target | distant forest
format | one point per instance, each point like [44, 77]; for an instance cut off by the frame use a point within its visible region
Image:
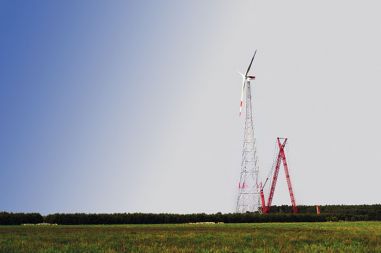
[277, 214]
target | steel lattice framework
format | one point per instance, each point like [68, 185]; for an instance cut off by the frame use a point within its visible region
[281, 158]
[248, 189]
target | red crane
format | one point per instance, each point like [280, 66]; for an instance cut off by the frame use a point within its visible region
[280, 158]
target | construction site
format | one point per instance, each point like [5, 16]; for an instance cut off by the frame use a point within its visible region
[251, 191]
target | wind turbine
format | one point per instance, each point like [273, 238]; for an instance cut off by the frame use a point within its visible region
[248, 189]
[245, 78]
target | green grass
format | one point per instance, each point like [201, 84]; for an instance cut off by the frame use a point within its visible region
[268, 237]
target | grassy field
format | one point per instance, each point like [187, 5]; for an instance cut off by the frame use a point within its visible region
[269, 237]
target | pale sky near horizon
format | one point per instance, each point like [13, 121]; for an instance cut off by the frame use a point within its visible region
[132, 106]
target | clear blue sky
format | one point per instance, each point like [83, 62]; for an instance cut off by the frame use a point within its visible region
[128, 106]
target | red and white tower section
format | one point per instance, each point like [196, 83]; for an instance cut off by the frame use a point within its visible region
[248, 199]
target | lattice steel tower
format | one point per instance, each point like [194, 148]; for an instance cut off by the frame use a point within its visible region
[248, 188]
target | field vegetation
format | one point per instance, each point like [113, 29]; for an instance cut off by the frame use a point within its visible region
[254, 237]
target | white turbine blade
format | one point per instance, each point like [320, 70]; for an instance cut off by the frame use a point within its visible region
[252, 59]
[242, 91]
[243, 76]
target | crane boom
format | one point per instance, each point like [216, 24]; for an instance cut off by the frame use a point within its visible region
[292, 197]
[274, 181]
[280, 158]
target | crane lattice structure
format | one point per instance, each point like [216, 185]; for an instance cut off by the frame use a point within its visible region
[281, 158]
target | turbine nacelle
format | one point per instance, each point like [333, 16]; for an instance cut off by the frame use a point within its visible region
[247, 78]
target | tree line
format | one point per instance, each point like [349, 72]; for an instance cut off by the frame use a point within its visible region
[277, 214]
[20, 218]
